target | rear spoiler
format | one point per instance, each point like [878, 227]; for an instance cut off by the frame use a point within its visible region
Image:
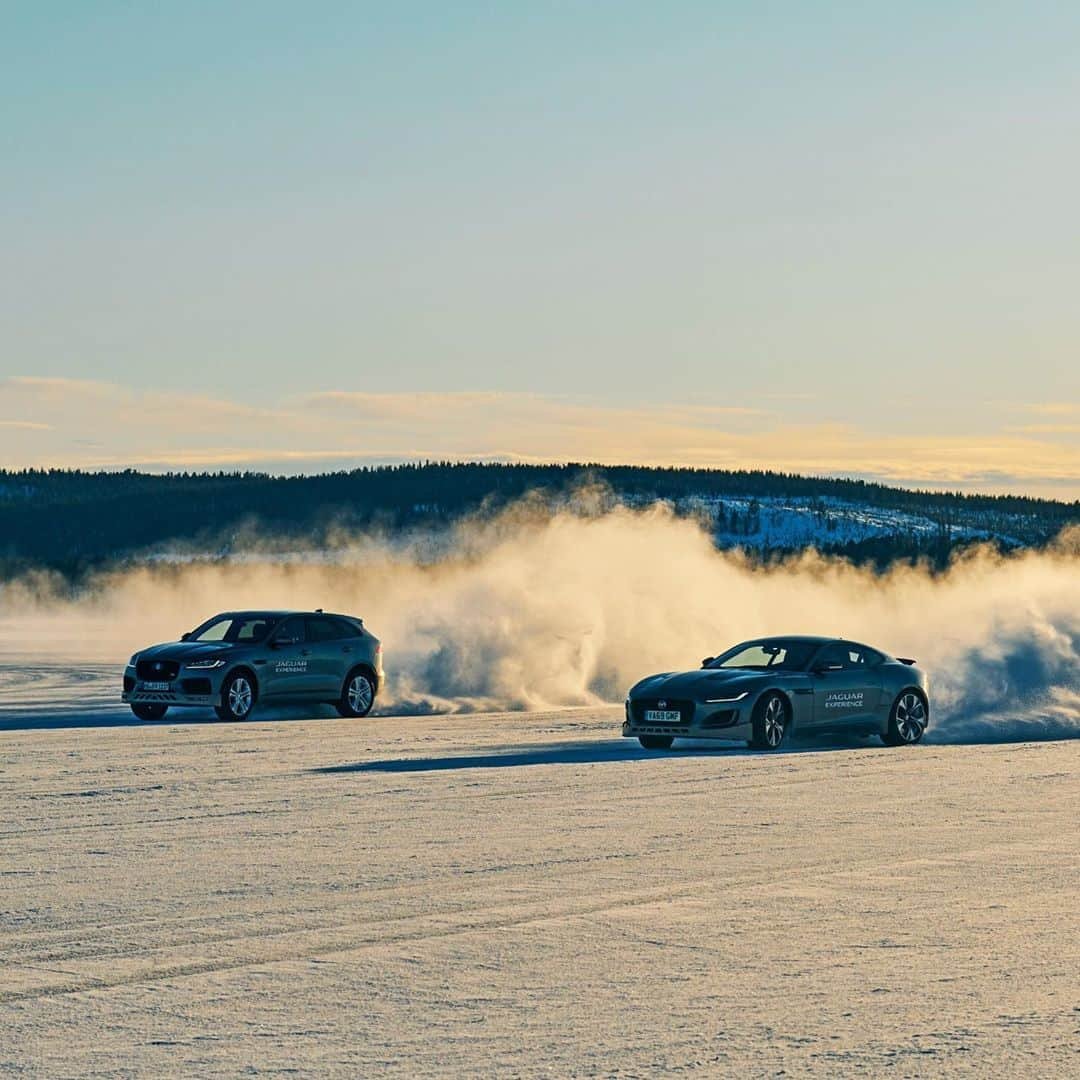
[906, 660]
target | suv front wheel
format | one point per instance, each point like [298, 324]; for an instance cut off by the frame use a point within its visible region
[237, 697]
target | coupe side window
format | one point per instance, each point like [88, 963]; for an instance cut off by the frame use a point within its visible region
[842, 657]
[834, 658]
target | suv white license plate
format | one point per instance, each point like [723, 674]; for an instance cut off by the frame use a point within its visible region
[155, 686]
[662, 716]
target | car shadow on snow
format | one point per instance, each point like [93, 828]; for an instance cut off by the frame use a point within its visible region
[593, 752]
[47, 718]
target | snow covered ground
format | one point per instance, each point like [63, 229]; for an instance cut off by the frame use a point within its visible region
[524, 895]
[795, 522]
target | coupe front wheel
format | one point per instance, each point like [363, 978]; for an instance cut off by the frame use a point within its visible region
[770, 723]
[907, 720]
[656, 742]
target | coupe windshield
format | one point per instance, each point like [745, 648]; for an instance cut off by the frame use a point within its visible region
[772, 655]
[234, 629]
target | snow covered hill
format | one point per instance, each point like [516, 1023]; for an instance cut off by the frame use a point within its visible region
[787, 523]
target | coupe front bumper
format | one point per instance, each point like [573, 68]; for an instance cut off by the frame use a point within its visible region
[722, 721]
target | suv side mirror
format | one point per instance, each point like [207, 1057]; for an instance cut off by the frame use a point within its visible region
[185, 637]
[707, 661]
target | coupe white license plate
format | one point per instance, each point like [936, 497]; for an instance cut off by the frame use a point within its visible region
[155, 686]
[662, 716]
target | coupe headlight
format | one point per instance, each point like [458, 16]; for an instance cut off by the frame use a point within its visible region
[134, 660]
[726, 700]
[204, 665]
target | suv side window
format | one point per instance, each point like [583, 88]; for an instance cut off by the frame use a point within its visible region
[291, 630]
[324, 628]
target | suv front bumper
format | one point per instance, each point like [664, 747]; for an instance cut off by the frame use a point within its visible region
[199, 689]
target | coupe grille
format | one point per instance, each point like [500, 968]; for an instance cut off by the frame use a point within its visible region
[685, 708]
[157, 670]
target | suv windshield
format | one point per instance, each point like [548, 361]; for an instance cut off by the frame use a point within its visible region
[774, 654]
[234, 629]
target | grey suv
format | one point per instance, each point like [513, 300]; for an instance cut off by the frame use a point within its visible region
[239, 658]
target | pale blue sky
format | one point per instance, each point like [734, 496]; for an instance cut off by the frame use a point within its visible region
[853, 221]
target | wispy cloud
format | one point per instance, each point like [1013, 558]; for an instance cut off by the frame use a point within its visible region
[25, 425]
[1054, 408]
[93, 424]
[1047, 429]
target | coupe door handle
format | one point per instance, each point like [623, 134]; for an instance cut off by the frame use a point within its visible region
[305, 652]
[347, 648]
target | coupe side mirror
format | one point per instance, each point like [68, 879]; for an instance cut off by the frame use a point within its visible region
[707, 661]
[185, 637]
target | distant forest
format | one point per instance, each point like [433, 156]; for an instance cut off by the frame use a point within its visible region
[73, 521]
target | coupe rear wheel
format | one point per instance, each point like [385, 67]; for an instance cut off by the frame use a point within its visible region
[907, 720]
[770, 722]
[237, 698]
[149, 710]
[357, 695]
[656, 742]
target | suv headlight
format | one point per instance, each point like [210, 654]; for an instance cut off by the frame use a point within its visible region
[134, 660]
[204, 665]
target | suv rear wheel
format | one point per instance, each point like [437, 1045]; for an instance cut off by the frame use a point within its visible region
[357, 695]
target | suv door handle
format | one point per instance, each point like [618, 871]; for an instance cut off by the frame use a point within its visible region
[305, 652]
[347, 648]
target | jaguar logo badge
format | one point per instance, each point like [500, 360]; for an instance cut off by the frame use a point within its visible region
[661, 704]
[157, 666]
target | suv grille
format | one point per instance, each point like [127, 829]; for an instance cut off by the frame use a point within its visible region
[157, 670]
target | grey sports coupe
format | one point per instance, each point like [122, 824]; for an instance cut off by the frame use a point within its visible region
[762, 691]
[239, 658]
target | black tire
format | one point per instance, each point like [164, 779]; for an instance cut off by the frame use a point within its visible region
[357, 694]
[656, 742]
[907, 719]
[772, 721]
[238, 697]
[149, 710]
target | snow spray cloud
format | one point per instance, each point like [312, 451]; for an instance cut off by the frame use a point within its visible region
[535, 607]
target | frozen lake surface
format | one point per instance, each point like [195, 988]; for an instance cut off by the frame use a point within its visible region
[526, 895]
